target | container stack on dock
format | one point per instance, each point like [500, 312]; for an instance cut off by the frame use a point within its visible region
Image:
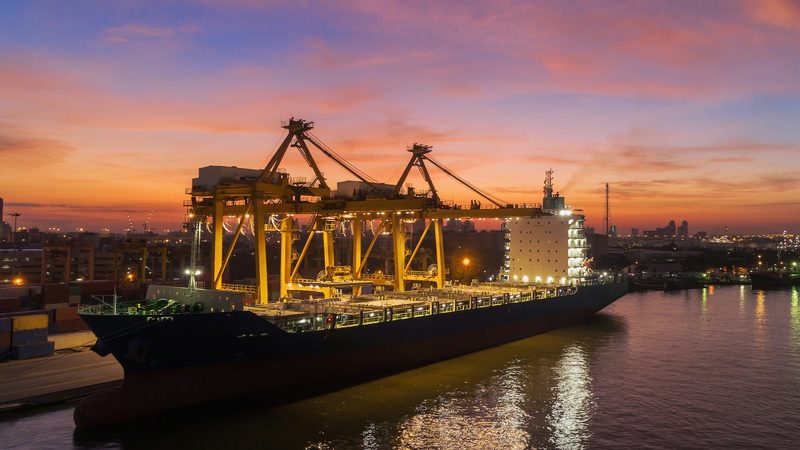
[5, 338]
[55, 296]
[67, 320]
[29, 337]
[10, 304]
[16, 298]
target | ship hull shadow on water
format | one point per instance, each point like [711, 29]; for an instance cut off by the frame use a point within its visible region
[193, 359]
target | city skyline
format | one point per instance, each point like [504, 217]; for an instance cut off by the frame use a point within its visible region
[688, 111]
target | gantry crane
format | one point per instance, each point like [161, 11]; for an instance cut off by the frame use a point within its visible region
[273, 199]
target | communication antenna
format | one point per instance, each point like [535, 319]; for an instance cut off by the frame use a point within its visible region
[548, 183]
[608, 213]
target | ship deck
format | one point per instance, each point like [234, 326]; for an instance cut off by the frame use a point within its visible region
[317, 314]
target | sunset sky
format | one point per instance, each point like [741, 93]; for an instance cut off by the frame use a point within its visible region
[689, 109]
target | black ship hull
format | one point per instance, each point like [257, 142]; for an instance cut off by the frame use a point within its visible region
[184, 359]
[774, 279]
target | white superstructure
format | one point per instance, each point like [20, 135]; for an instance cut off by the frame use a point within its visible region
[550, 248]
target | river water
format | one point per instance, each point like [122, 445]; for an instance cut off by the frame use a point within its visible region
[706, 368]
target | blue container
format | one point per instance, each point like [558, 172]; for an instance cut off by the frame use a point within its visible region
[28, 351]
[5, 325]
[25, 337]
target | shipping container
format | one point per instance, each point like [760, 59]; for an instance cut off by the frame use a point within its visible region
[30, 322]
[19, 291]
[10, 304]
[24, 337]
[5, 341]
[28, 351]
[71, 326]
[5, 325]
[57, 306]
[66, 314]
[55, 293]
[5, 336]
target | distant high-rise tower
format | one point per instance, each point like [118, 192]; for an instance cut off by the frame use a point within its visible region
[1, 211]
[683, 230]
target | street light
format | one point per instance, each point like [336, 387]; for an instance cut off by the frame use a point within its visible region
[14, 243]
[465, 263]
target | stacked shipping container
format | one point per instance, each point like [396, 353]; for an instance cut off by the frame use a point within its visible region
[29, 336]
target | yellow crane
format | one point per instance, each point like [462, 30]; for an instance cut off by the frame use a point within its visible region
[273, 200]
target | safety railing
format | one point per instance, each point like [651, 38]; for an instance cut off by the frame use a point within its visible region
[343, 315]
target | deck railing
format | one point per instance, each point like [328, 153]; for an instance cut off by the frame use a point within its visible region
[331, 315]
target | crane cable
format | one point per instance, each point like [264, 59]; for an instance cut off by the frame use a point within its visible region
[496, 200]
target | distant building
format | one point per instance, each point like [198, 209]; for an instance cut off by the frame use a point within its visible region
[598, 245]
[210, 176]
[634, 232]
[669, 231]
[683, 230]
[458, 225]
[357, 189]
[452, 225]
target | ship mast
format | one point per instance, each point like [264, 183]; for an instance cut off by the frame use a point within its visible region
[548, 183]
[195, 255]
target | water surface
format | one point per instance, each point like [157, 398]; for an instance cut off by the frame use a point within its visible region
[717, 367]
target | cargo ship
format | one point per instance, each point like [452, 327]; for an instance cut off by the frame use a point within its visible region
[182, 347]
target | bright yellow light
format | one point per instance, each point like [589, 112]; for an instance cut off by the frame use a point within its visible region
[130, 277]
[18, 281]
[465, 261]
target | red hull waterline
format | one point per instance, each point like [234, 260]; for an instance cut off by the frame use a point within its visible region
[145, 394]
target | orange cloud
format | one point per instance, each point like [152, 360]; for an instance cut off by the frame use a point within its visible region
[779, 13]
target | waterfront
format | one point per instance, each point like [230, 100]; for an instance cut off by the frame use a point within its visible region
[715, 367]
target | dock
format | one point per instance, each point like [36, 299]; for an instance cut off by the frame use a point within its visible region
[66, 375]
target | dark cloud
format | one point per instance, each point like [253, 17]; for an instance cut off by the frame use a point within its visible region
[25, 150]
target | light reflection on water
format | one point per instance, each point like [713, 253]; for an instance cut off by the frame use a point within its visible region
[493, 417]
[573, 403]
[704, 302]
[742, 296]
[795, 316]
[656, 370]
